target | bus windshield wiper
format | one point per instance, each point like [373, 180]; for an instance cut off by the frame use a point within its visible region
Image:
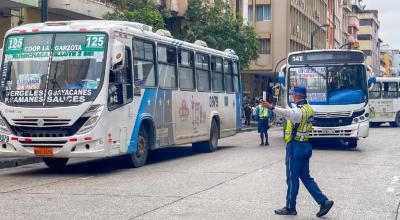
[53, 80]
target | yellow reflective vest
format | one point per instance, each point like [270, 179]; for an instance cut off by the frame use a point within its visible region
[303, 128]
[262, 112]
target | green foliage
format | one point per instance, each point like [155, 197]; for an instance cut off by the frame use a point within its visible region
[142, 11]
[217, 26]
[214, 24]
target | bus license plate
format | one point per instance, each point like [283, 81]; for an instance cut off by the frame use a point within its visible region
[43, 151]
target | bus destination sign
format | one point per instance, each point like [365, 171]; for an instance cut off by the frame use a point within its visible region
[331, 57]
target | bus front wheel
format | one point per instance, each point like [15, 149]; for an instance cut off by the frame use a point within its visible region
[55, 163]
[397, 122]
[210, 145]
[138, 158]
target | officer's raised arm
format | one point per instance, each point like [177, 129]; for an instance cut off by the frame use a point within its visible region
[293, 114]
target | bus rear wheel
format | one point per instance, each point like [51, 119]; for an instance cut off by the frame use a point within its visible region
[55, 163]
[352, 143]
[397, 122]
[139, 157]
[212, 144]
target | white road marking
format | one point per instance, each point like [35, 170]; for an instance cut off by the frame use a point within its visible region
[395, 179]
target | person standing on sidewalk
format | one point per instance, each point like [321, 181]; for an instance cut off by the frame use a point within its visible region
[247, 114]
[262, 116]
[298, 153]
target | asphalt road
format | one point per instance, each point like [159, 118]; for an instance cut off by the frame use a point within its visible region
[239, 181]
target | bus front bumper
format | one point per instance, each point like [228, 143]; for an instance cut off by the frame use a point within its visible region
[359, 130]
[76, 147]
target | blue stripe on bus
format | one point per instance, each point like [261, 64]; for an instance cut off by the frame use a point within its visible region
[143, 113]
[238, 111]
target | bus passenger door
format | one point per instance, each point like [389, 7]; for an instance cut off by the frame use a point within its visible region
[120, 96]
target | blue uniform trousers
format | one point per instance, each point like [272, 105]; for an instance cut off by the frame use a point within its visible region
[298, 156]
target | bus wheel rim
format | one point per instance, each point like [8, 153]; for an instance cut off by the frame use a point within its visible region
[141, 147]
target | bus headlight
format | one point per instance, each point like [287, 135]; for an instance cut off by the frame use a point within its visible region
[361, 118]
[4, 127]
[94, 113]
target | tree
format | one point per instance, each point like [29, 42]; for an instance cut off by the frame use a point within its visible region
[218, 26]
[142, 11]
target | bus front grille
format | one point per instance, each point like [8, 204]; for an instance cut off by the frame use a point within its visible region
[332, 114]
[45, 122]
[332, 122]
[59, 131]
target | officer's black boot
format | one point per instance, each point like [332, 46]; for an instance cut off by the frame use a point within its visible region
[285, 211]
[266, 139]
[325, 208]
[262, 139]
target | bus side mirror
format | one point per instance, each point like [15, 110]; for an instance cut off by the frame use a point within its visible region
[117, 56]
[281, 78]
[371, 82]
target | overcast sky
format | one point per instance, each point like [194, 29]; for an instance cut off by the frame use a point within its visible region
[389, 16]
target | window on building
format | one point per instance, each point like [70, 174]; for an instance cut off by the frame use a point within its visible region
[250, 13]
[364, 37]
[366, 22]
[186, 70]
[202, 72]
[217, 74]
[167, 66]
[144, 64]
[263, 12]
[265, 46]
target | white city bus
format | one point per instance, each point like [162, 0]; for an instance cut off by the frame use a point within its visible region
[385, 102]
[336, 81]
[104, 88]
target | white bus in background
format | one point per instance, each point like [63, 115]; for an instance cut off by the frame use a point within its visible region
[93, 89]
[336, 82]
[385, 102]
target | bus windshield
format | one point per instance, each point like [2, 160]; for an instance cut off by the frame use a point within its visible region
[52, 69]
[333, 85]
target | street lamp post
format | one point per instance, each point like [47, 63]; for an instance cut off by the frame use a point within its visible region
[314, 33]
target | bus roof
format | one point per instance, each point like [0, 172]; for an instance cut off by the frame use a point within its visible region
[387, 79]
[125, 27]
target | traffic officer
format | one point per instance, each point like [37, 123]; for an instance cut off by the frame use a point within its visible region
[298, 154]
[262, 116]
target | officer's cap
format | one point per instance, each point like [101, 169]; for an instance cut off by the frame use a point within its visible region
[300, 90]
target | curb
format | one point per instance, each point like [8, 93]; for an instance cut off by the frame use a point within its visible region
[14, 162]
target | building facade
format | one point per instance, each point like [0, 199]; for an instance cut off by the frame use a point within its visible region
[396, 63]
[16, 12]
[368, 37]
[282, 26]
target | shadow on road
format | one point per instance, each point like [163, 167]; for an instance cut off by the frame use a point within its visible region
[112, 164]
[332, 145]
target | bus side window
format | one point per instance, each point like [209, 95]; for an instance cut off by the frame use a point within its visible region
[186, 70]
[167, 66]
[375, 92]
[202, 72]
[236, 78]
[217, 74]
[144, 64]
[120, 91]
[390, 90]
[228, 70]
